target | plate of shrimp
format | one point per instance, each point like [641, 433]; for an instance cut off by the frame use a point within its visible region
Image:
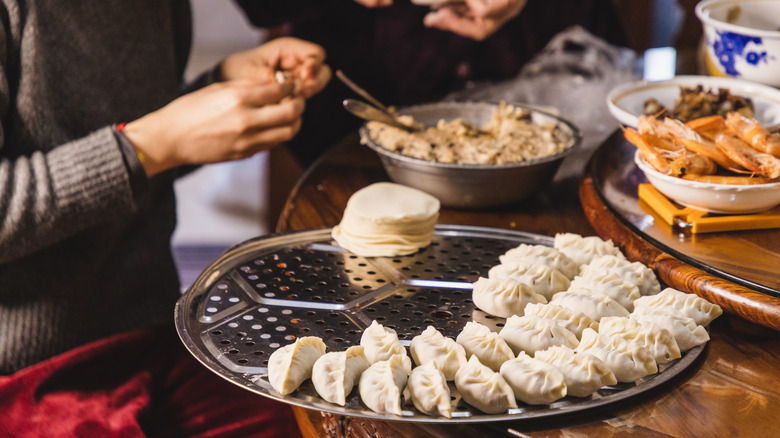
[721, 164]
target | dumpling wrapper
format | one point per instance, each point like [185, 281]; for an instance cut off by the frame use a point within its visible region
[690, 305]
[531, 333]
[610, 285]
[593, 304]
[291, 364]
[444, 353]
[583, 250]
[381, 343]
[484, 388]
[540, 255]
[386, 220]
[503, 297]
[335, 373]
[478, 340]
[382, 385]
[635, 273]
[628, 360]
[583, 373]
[656, 338]
[572, 320]
[534, 381]
[542, 279]
[429, 391]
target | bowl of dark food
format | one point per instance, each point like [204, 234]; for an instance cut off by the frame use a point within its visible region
[474, 155]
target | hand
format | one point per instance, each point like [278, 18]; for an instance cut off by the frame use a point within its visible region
[375, 3]
[303, 59]
[221, 122]
[476, 19]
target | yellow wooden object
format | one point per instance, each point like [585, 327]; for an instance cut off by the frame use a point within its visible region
[698, 221]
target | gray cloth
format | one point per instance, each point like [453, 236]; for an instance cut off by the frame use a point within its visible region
[82, 255]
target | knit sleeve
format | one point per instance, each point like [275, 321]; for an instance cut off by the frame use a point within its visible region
[48, 196]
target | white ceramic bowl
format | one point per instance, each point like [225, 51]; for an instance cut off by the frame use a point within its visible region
[714, 198]
[747, 46]
[626, 101]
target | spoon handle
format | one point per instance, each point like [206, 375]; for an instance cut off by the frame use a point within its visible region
[348, 82]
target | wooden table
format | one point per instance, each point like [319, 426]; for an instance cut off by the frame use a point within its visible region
[732, 391]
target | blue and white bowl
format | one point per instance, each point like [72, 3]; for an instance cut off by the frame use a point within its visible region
[742, 39]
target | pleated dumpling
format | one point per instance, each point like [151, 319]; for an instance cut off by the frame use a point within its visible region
[593, 304]
[531, 333]
[583, 373]
[380, 343]
[610, 285]
[657, 339]
[572, 320]
[290, 365]
[335, 373]
[503, 297]
[542, 279]
[534, 381]
[686, 332]
[484, 388]
[583, 250]
[633, 272]
[431, 346]
[382, 384]
[429, 391]
[540, 255]
[478, 340]
[629, 361]
[690, 305]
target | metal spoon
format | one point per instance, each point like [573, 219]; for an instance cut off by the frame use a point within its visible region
[369, 112]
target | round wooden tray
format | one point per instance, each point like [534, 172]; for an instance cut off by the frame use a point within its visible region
[737, 270]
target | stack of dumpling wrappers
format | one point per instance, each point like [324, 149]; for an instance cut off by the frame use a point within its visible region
[579, 317]
[386, 220]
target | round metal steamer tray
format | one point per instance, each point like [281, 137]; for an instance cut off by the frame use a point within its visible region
[263, 293]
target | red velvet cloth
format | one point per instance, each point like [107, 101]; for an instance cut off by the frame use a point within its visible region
[138, 384]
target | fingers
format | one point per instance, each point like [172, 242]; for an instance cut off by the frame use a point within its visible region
[470, 27]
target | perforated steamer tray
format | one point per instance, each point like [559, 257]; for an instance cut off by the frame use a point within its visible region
[265, 292]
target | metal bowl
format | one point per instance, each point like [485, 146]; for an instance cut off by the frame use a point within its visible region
[473, 186]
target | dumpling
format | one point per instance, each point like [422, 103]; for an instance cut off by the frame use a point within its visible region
[534, 381]
[335, 374]
[478, 340]
[657, 339]
[380, 343]
[540, 255]
[628, 360]
[633, 272]
[382, 384]
[610, 285]
[531, 333]
[690, 305]
[686, 332]
[572, 320]
[429, 391]
[431, 346]
[290, 365]
[583, 373]
[542, 279]
[582, 250]
[593, 304]
[484, 388]
[503, 297]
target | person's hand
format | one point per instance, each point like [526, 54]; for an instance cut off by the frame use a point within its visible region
[221, 122]
[476, 19]
[374, 3]
[304, 60]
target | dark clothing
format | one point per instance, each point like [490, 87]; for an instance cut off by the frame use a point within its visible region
[393, 56]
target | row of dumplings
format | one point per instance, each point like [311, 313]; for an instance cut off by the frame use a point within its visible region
[557, 340]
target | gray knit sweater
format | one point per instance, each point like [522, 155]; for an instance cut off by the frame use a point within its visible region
[83, 253]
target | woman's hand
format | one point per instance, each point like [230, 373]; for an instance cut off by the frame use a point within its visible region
[304, 60]
[221, 122]
[476, 19]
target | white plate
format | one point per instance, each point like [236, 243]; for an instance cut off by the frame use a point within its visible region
[626, 101]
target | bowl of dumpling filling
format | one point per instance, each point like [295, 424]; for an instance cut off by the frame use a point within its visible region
[473, 155]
